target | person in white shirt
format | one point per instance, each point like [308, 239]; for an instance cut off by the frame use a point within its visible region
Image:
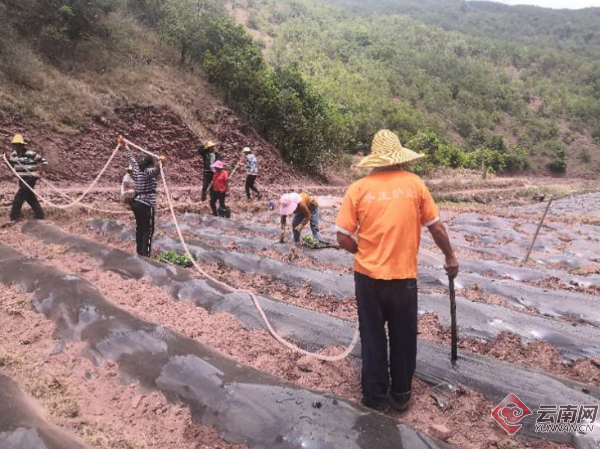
[251, 173]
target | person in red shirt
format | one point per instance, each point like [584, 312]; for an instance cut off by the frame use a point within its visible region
[220, 187]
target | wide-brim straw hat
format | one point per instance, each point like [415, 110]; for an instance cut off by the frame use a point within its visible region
[387, 151]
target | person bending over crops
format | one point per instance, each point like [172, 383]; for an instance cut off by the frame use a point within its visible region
[144, 174]
[305, 209]
[380, 222]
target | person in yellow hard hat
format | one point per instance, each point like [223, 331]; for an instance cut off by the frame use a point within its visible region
[209, 154]
[27, 164]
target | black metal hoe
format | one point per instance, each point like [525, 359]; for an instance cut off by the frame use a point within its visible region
[453, 327]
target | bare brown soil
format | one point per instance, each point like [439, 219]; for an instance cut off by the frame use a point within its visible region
[475, 294]
[78, 158]
[557, 284]
[86, 399]
[509, 347]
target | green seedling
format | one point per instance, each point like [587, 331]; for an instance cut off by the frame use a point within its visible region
[310, 241]
[173, 258]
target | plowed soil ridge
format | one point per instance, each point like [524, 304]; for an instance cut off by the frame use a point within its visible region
[78, 158]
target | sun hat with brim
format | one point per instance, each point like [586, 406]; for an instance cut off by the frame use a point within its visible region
[218, 164]
[18, 140]
[246, 150]
[288, 203]
[209, 144]
[387, 151]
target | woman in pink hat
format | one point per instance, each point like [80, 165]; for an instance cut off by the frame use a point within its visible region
[219, 189]
[305, 209]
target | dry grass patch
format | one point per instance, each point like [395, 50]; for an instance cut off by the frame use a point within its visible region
[8, 359]
[103, 438]
[55, 397]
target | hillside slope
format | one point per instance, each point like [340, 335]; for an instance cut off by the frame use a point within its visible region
[80, 157]
[460, 69]
[567, 31]
[130, 85]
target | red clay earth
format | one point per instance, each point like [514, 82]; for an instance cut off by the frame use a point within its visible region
[557, 284]
[509, 347]
[86, 399]
[78, 158]
[464, 413]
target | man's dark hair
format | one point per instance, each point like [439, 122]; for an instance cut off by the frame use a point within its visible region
[146, 162]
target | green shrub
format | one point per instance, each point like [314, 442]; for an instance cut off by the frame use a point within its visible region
[255, 22]
[518, 159]
[451, 156]
[494, 160]
[261, 43]
[428, 143]
[300, 121]
[558, 164]
[496, 142]
[440, 153]
[555, 146]
[57, 27]
[17, 62]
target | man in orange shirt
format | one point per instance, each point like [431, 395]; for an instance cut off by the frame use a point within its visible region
[386, 211]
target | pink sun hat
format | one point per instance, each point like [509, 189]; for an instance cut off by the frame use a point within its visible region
[288, 203]
[218, 164]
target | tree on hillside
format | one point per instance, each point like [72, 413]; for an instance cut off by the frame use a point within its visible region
[279, 103]
[181, 26]
[380, 69]
[302, 122]
[558, 164]
[58, 26]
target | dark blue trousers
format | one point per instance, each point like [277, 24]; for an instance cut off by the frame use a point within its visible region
[393, 302]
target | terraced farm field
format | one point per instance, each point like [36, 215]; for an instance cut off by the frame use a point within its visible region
[102, 348]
